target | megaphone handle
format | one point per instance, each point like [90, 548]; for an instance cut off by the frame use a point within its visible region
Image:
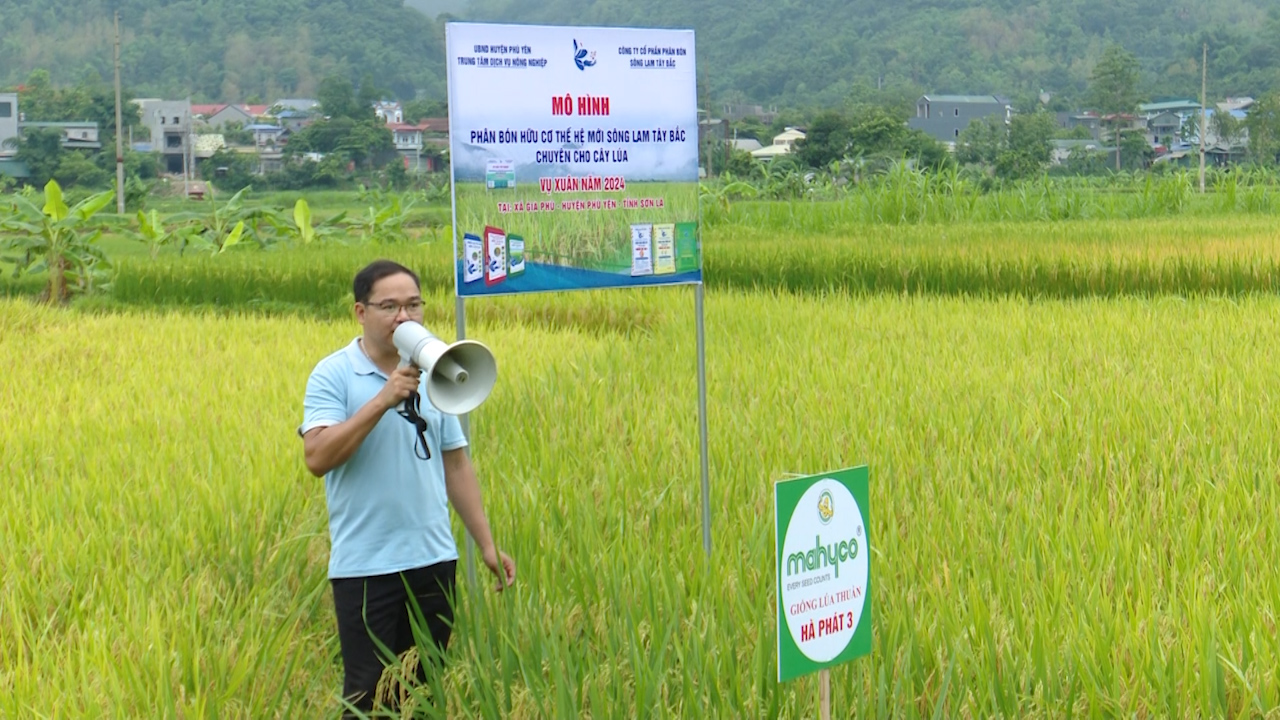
[402, 408]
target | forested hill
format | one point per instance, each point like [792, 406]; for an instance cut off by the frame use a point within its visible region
[798, 51]
[788, 52]
[231, 50]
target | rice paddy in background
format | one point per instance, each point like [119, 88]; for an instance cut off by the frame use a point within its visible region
[586, 237]
[1073, 499]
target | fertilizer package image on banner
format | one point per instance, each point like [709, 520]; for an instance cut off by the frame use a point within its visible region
[515, 255]
[641, 250]
[578, 148]
[664, 249]
[495, 251]
[687, 255]
[472, 258]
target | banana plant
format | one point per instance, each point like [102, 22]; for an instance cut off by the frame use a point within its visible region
[716, 199]
[435, 191]
[304, 229]
[57, 239]
[226, 225]
[203, 241]
[153, 233]
[384, 224]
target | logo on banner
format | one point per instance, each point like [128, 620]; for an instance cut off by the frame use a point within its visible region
[825, 510]
[582, 57]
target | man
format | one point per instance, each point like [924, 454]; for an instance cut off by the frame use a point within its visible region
[390, 475]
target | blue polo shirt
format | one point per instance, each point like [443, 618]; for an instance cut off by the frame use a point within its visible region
[388, 509]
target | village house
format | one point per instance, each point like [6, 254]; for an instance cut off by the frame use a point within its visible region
[75, 135]
[944, 117]
[783, 143]
[221, 115]
[169, 123]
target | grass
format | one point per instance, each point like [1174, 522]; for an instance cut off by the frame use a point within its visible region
[1071, 510]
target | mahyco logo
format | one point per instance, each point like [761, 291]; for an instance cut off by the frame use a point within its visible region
[819, 504]
[819, 556]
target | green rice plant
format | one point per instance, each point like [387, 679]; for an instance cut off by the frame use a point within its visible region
[904, 194]
[1031, 203]
[875, 239]
[1173, 193]
[1226, 187]
[1259, 199]
[1176, 256]
[312, 280]
[1070, 504]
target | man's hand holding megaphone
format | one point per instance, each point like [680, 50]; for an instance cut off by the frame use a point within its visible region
[401, 384]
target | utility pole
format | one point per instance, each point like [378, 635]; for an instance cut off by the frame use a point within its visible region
[186, 168]
[1204, 76]
[724, 145]
[1119, 126]
[119, 129]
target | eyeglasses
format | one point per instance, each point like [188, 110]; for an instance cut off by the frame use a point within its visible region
[391, 307]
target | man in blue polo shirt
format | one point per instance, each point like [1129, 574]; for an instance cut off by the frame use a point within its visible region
[388, 495]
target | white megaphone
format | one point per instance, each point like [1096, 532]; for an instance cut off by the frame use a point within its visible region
[459, 376]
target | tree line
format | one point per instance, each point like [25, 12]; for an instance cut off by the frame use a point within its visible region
[811, 54]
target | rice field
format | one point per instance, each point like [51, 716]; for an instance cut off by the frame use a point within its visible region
[1074, 494]
[597, 236]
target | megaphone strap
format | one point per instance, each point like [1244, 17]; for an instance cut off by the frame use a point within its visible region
[410, 412]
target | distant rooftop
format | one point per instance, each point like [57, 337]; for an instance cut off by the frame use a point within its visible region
[1168, 105]
[296, 103]
[85, 124]
[974, 99]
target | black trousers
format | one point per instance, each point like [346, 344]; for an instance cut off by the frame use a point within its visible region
[378, 607]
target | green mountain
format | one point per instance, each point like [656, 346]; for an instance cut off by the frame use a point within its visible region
[800, 52]
[235, 50]
[792, 53]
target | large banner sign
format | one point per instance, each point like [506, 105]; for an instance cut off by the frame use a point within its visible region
[574, 154]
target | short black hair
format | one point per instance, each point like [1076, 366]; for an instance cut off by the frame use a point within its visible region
[375, 271]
